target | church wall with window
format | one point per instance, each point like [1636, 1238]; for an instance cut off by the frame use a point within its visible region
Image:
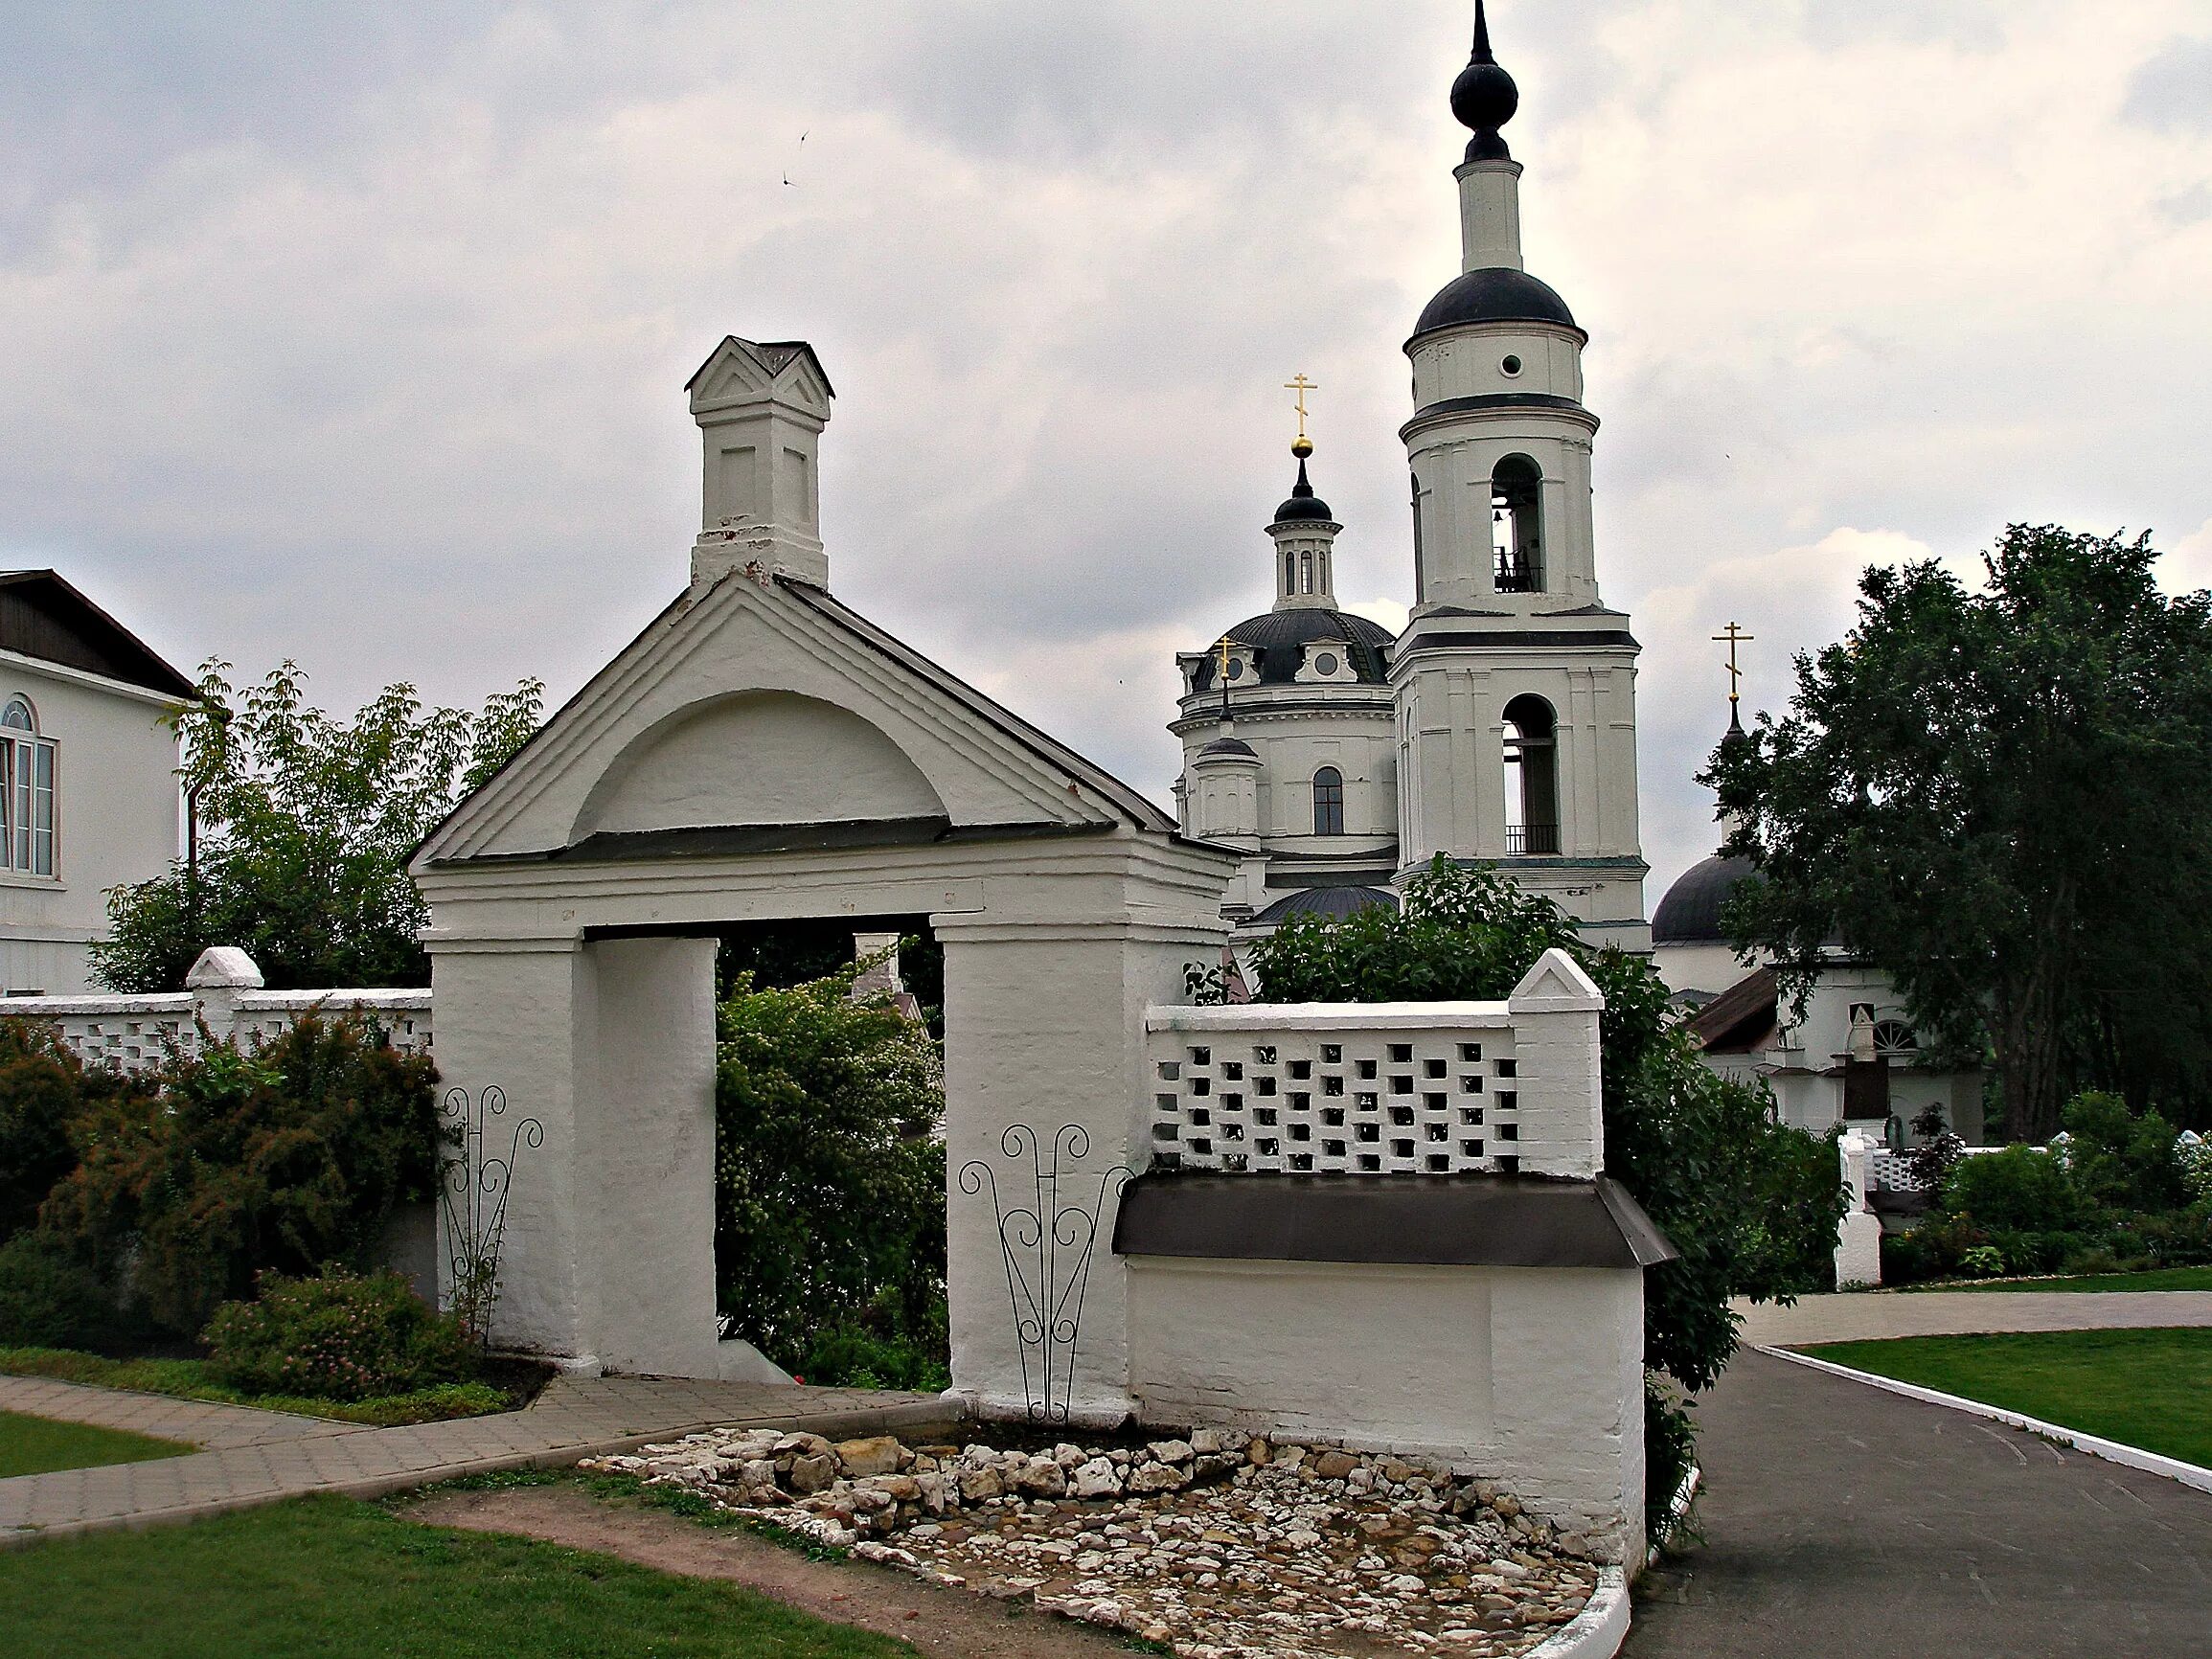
[88, 788]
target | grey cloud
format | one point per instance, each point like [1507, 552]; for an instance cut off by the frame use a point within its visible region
[2171, 91]
[362, 340]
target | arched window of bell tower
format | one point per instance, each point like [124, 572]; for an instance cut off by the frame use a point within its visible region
[1532, 796]
[1516, 524]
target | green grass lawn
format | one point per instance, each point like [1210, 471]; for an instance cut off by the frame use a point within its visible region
[2157, 1278]
[31, 1445]
[189, 1379]
[336, 1579]
[2151, 1388]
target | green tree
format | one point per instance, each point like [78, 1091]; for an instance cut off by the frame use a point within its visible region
[1752, 1205]
[306, 825]
[1998, 796]
[829, 1177]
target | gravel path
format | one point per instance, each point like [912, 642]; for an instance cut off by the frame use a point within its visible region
[1843, 1522]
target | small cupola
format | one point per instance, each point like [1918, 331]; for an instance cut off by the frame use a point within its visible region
[1304, 533]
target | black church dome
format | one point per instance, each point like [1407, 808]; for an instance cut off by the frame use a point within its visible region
[1494, 294]
[1690, 911]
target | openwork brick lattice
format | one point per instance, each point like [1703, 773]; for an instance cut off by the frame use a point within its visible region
[134, 1033]
[1301, 1089]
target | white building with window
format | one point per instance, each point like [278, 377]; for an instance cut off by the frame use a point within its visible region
[88, 788]
[1501, 725]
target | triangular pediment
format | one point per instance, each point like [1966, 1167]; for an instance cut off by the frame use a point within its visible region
[1556, 985]
[745, 371]
[761, 704]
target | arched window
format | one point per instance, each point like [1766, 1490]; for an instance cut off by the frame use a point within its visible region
[1327, 801]
[1289, 573]
[1516, 524]
[1532, 796]
[26, 792]
[1306, 569]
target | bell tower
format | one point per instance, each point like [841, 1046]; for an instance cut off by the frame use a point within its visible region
[1516, 684]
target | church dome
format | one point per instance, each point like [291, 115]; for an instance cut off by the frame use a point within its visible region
[1690, 911]
[1278, 638]
[1325, 901]
[1303, 505]
[1228, 748]
[1494, 294]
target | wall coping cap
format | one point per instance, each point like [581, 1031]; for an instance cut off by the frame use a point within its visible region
[1556, 985]
[224, 966]
[1297, 1016]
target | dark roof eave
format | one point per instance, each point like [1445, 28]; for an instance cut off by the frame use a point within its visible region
[1465, 1220]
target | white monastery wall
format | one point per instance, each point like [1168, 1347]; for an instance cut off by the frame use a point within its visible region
[1530, 1373]
[137, 1033]
[116, 818]
[1527, 1376]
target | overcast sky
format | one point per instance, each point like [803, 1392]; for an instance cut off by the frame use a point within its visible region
[358, 334]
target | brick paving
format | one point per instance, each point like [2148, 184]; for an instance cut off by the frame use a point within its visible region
[258, 1457]
[1864, 1316]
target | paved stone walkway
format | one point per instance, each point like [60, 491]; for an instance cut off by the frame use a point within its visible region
[1843, 1522]
[1857, 1316]
[257, 1457]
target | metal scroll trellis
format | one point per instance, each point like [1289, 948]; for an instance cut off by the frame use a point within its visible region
[472, 1194]
[1048, 1247]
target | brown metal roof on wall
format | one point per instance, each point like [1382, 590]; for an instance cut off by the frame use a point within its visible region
[42, 616]
[1731, 1021]
[1464, 1220]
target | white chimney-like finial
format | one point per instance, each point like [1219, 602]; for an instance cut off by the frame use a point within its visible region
[760, 407]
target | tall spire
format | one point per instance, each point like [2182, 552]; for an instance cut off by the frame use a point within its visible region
[1484, 97]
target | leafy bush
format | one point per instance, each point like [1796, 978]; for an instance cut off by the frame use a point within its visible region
[1669, 1451]
[854, 1356]
[2196, 1161]
[49, 1298]
[829, 1182]
[43, 1087]
[280, 1158]
[2121, 1161]
[339, 1336]
[2019, 1188]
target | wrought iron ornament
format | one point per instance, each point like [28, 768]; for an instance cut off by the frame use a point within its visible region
[472, 1194]
[1048, 1247]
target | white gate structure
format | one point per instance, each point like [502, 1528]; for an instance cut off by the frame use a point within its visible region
[1384, 1225]
[1135, 1230]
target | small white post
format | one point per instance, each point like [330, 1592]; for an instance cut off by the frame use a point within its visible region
[1858, 1236]
[221, 975]
[1555, 1034]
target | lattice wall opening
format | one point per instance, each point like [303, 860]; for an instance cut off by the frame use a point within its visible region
[1343, 1103]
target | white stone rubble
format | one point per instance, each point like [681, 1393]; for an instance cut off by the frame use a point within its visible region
[1222, 1546]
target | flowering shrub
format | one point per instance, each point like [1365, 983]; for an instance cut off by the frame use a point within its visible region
[340, 1336]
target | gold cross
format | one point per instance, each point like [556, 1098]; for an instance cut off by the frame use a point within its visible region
[1734, 637]
[1223, 676]
[1299, 384]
